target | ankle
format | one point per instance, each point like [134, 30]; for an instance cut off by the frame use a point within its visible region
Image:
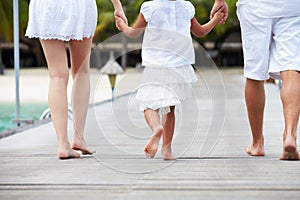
[64, 145]
[167, 147]
[258, 142]
[289, 135]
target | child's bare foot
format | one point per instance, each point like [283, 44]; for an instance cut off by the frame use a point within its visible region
[80, 145]
[167, 153]
[255, 151]
[67, 154]
[290, 151]
[152, 144]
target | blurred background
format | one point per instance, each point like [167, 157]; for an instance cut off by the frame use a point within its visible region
[223, 45]
[223, 42]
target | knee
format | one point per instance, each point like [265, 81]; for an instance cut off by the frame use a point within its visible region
[253, 82]
[290, 75]
[59, 74]
[79, 70]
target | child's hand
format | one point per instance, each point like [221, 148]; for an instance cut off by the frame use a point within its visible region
[219, 15]
[120, 24]
[217, 6]
[121, 14]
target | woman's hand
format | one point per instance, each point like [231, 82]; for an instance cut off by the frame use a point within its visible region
[120, 14]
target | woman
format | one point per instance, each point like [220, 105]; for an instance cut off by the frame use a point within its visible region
[56, 22]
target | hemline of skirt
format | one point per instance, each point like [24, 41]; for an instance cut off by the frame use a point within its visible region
[58, 37]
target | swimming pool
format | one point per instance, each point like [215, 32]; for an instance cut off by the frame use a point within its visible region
[27, 111]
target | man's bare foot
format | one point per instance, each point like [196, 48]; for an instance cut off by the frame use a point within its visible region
[67, 154]
[167, 153]
[290, 151]
[152, 144]
[80, 145]
[290, 155]
[255, 151]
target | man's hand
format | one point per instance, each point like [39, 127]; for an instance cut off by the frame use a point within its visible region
[220, 5]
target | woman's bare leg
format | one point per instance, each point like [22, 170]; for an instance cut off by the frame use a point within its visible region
[80, 66]
[153, 120]
[168, 121]
[55, 52]
[290, 96]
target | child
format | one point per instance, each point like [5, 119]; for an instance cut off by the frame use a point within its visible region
[167, 55]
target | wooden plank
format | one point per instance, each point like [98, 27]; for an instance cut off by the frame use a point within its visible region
[119, 169]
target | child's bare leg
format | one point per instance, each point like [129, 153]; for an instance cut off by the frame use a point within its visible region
[80, 57]
[169, 126]
[153, 120]
[290, 96]
[55, 52]
[255, 101]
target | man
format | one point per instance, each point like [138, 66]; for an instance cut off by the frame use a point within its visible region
[271, 44]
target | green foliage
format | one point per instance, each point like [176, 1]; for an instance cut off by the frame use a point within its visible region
[105, 20]
[6, 16]
[106, 24]
[203, 7]
[23, 15]
[232, 23]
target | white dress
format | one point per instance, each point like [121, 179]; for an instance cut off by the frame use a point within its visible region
[62, 19]
[167, 54]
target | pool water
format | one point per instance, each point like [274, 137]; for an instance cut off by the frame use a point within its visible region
[27, 111]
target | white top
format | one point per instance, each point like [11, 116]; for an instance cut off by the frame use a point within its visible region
[167, 40]
[274, 8]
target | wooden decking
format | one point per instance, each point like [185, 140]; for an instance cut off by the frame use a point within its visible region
[211, 134]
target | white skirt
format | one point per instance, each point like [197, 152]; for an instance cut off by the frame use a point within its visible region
[62, 19]
[163, 87]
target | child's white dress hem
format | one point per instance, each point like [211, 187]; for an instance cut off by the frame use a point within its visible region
[163, 87]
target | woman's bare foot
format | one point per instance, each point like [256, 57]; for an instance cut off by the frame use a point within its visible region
[255, 151]
[80, 145]
[290, 151]
[167, 153]
[67, 154]
[152, 144]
